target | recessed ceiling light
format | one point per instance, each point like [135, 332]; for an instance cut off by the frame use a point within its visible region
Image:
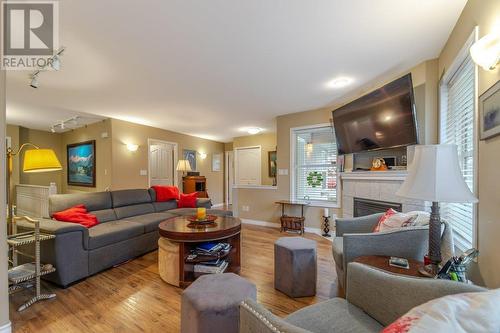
[339, 82]
[254, 130]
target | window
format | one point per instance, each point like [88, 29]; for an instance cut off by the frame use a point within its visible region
[458, 126]
[314, 168]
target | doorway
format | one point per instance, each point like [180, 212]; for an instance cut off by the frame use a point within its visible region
[247, 165]
[162, 161]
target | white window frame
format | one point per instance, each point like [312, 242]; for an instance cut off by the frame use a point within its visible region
[443, 103]
[325, 204]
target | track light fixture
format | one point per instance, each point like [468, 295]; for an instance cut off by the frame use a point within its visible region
[34, 80]
[53, 62]
[66, 124]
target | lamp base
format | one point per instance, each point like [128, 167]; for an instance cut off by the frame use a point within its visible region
[430, 270]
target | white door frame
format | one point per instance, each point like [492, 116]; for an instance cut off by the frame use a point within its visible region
[229, 170]
[236, 162]
[176, 158]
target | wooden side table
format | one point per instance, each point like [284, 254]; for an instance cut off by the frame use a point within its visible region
[294, 223]
[382, 262]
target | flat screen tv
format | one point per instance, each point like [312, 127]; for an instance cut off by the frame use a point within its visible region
[382, 119]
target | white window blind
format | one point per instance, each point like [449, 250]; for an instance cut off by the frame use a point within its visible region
[457, 127]
[315, 165]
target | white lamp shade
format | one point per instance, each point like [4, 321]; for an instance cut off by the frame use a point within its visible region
[183, 165]
[435, 175]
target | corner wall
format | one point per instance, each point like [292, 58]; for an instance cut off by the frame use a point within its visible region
[261, 202]
[127, 165]
[486, 15]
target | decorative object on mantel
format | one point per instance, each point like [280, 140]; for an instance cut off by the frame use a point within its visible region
[434, 175]
[293, 223]
[378, 164]
[326, 223]
[489, 112]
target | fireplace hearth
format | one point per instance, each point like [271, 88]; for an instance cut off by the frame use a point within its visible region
[363, 207]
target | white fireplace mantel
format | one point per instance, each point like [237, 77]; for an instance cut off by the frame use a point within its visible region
[375, 185]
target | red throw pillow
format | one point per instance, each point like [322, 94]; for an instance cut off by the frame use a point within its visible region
[165, 193]
[77, 214]
[187, 200]
[384, 217]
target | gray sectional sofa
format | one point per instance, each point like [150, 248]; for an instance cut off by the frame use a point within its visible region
[128, 228]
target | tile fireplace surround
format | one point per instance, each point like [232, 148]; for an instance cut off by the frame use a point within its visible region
[375, 185]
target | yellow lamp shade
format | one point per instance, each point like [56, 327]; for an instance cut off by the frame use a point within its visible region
[41, 160]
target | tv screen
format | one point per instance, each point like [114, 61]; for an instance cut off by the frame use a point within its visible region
[384, 118]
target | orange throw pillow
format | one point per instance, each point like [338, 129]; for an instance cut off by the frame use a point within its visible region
[166, 193]
[77, 214]
[187, 200]
[384, 217]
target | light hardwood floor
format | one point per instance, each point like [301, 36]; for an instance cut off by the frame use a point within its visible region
[133, 298]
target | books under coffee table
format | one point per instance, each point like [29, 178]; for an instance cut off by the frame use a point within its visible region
[186, 253]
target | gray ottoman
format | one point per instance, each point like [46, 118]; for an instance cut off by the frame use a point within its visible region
[295, 266]
[211, 303]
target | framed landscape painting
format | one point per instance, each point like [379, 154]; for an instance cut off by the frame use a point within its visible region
[81, 164]
[489, 112]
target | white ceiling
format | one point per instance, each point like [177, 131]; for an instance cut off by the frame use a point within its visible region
[210, 68]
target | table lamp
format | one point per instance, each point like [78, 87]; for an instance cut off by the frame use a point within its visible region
[184, 166]
[35, 160]
[434, 175]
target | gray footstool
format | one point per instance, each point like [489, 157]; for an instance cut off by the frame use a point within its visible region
[295, 266]
[210, 304]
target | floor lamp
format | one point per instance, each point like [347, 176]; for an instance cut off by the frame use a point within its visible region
[434, 175]
[35, 160]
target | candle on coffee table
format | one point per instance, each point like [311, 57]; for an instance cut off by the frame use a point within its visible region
[201, 213]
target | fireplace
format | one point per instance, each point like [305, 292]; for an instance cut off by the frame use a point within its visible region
[363, 207]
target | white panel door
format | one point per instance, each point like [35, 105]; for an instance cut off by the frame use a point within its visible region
[248, 166]
[161, 163]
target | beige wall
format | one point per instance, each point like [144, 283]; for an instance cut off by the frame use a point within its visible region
[485, 14]
[261, 202]
[267, 142]
[127, 165]
[42, 139]
[103, 154]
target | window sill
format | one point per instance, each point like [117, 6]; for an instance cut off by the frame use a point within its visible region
[319, 204]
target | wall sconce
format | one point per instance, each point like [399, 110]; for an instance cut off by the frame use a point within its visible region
[132, 147]
[203, 156]
[486, 51]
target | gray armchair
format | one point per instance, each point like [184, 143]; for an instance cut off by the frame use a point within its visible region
[354, 238]
[374, 299]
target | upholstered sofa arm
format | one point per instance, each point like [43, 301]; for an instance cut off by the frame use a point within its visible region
[204, 202]
[355, 225]
[53, 227]
[386, 296]
[254, 318]
[410, 243]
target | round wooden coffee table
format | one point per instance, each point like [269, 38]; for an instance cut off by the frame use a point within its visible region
[179, 237]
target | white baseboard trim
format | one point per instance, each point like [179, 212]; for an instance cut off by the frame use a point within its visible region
[7, 328]
[316, 231]
[261, 223]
